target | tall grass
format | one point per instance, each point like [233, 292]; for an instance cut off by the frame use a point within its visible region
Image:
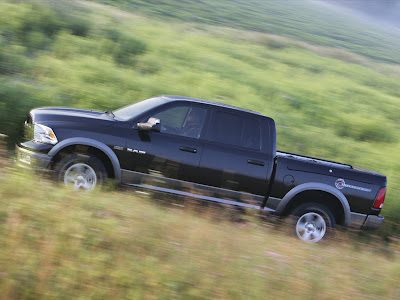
[58, 244]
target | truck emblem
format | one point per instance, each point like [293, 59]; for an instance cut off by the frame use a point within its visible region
[340, 184]
[136, 151]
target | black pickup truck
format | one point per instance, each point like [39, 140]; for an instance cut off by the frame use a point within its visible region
[205, 150]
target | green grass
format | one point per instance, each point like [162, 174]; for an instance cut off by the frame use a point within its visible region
[58, 244]
[315, 22]
[93, 56]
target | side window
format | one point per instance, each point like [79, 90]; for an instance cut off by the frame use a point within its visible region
[251, 134]
[228, 128]
[172, 118]
[182, 120]
[236, 130]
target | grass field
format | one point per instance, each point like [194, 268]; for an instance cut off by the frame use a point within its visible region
[327, 102]
[58, 244]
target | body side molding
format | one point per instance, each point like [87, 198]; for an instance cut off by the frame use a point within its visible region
[315, 186]
[93, 143]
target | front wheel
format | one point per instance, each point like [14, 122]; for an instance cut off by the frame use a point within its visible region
[312, 222]
[81, 172]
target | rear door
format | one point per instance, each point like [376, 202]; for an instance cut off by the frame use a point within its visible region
[232, 157]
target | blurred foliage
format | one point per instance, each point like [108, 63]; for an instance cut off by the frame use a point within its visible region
[59, 244]
[336, 105]
[127, 49]
[311, 21]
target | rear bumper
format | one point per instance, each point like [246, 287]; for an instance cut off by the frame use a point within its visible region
[373, 222]
[32, 160]
[362, 221]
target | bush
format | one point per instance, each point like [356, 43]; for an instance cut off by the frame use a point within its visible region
[365, 129]
[10, 63]
[276, 43]
[41, 19]
[43, 22]
[77, 24]
[13, 109]
[112, 34]
[17, 98]
[127, 49]
[6, 66]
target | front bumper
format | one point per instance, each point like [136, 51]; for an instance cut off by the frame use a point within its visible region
[32, 160]
[362, 221]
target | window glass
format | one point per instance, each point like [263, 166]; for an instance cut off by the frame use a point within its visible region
[172, 117]
[182, 120]
[236, 130]
[228, 128]
[251, 134]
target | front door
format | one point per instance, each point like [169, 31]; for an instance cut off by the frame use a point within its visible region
[168, 159]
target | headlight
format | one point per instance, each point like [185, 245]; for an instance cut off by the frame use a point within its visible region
[44, 134]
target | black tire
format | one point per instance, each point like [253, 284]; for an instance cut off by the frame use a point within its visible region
[80, 171]
[312, 222]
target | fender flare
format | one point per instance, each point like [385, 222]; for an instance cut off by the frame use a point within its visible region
[93, 143]
[315, 186]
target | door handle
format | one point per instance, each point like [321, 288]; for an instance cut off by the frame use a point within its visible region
[188, 149]
[255, 162]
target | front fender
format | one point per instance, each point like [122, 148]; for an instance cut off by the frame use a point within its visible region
[93, 143]
[315, 186]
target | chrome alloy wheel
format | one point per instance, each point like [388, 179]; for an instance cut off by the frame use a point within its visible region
[311, 227]
[80, 176]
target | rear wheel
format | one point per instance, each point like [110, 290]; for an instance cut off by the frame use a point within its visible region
[81, 172]
[312, 222]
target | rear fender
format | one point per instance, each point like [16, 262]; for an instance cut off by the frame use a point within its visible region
[318, 187]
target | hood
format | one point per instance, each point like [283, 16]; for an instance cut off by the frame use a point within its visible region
[64, 114]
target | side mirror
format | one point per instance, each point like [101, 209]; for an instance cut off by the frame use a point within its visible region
[152, 124]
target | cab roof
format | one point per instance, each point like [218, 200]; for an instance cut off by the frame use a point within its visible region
[171, 98]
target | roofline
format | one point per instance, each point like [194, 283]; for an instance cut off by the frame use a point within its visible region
[219, 104]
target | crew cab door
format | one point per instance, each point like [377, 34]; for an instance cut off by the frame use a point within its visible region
[233, 158]
[171, 157]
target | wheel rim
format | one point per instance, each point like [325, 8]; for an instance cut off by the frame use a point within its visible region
[80, 176]
[311, 227]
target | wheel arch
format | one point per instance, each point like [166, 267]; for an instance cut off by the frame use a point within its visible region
[294, 194]
[91, 143]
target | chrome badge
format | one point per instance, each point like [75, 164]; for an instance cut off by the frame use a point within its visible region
[340, 184]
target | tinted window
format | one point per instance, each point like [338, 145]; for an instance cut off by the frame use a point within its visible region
[251, 134]
[236, 130]
[172, 117]
[182, 120]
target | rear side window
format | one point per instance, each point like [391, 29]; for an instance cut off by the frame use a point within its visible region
[237, 130]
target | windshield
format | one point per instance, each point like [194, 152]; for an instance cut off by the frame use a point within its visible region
[134, 110]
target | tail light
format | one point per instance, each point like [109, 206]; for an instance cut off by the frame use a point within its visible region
[380, 197]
